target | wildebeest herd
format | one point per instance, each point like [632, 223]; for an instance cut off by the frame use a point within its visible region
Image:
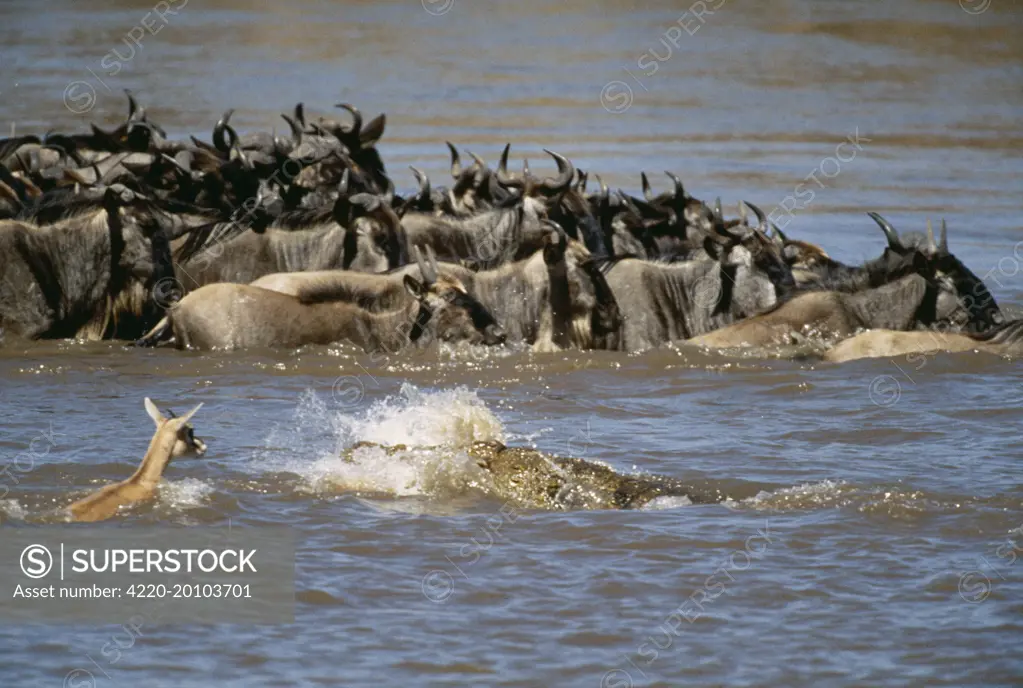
[282, 241]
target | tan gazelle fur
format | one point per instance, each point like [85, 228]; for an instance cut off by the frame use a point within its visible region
[174, 437]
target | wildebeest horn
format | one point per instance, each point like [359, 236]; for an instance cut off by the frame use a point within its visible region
[680, 192]
[582, 177]
[943, 238]
[502, 165]
[456, 162]
[566, 170]
[356, 118]
[761, 218]
[931, 246]
[429, 276]
[342, 188]
[296, 130]
[132, 105]
[779, 234]
[432, 257]
[648, 193]
[422, 180]
[218, 132]
[603, 186]
[478, 159]
[889, 231]
[743, 219]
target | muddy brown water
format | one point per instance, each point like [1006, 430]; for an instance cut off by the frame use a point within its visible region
[874, 542]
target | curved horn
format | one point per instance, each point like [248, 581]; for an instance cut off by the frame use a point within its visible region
[889, 231]
[943, 238]
[743, 218]
[422, 180]
[761, 218]
[603, 186]
[566, 173]
[429, 277]
[502, 164]
[300, 114]
[931, 246]
[133, 106]
[479, 161]
[648, 193]
[296, 130]
[218, 132]
[680, 192]
[342, 187]
[779, 234]
[456, 162]
[356, 118]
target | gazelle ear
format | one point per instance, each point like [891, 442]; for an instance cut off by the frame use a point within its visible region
[154, 412]
[185, 418]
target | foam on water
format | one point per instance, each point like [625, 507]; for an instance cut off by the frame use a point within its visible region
[185, 493]
[436, 426]
[12, 509]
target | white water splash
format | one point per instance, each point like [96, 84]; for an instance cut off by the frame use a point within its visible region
[435, 426]
[12, 509]
[185, 493]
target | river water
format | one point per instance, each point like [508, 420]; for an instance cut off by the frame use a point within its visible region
[873, 542]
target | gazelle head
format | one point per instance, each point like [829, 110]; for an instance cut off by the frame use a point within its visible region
[186, 443]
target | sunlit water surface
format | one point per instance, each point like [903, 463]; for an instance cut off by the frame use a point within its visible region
[876, 541]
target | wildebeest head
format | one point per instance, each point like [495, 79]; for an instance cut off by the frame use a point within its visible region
[361, 140]
[448, 310]
[374, 238]
[468, 195]
[754, 251]
[964, 299]
[800, 255]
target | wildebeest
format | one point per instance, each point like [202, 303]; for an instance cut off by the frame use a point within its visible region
[661, 302]
[926, 256]
[495, 236]
[359, 233]
[908, 303]
[556, 298]
[90, 276]
[1004, 340]
[239, 316]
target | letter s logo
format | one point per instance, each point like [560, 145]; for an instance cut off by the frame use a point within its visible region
[36, 561]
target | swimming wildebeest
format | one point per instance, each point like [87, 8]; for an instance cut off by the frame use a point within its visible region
[495, 236]
[238, 316]
[662, 302]
[173, 437]
[930, 258]
[1004, 340]
[909, 303]
[359, 233]
[554, 299]
[90, 276]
